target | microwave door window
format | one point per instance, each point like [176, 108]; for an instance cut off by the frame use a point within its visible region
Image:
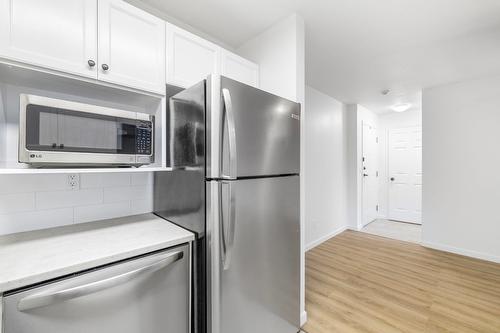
[48, 129]
[85, 133]
[73, 131]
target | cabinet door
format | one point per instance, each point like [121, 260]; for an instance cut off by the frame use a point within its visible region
[55, 34]
[190, 58]
[131, 47]
[240, 69]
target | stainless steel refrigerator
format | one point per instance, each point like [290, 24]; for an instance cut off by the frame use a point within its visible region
[234, 152]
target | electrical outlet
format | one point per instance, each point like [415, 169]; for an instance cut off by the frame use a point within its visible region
[74, 181]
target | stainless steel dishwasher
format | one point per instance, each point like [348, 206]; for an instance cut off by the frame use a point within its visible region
[148, 294]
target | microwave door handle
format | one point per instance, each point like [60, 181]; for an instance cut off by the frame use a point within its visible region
[67, 291]
[231, 130]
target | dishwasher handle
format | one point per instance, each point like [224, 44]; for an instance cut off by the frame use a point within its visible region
[67, 291]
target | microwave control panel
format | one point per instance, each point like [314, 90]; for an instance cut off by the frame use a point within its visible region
[143, 145]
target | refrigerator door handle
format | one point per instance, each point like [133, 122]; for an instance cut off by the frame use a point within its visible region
[228, 235]
[231, 130]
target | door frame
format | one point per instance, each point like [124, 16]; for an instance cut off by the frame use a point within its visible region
[363, 223]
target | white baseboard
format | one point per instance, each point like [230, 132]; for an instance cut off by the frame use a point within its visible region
[303, 318]
[463, 252]
[324, 238]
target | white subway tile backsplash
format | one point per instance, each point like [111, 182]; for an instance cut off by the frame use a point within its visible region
[143, 178]
[90, 180]
[114, 194]
[29, 202]
[58, 199]
[141, 206]
[17, 202]
[32, 183]
[19, 222]
[100, 212]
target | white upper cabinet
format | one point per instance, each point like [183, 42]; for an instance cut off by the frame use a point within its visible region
[56, 34]
[131, 47]
[239, 69]
[114, 42]
[190, 58]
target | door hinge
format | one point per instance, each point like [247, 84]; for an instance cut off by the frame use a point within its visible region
[376, 139]
[376, 174]
[376, 208]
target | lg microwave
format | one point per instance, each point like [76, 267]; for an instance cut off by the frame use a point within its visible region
[54, 132]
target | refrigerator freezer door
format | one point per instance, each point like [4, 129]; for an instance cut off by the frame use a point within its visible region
[252, 132]
[255, 255]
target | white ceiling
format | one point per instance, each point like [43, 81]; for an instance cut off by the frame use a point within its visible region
[357, 48]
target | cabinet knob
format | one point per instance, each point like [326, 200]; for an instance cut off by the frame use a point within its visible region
[105, 67]
[392, 179]
[91, 63]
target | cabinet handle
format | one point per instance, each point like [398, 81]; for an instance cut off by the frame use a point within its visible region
[91, 63]
[105, 67]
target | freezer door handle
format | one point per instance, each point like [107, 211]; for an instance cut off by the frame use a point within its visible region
[231, 130]
[68, 290]
[228, 235]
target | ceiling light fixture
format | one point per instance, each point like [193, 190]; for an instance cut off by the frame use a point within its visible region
[401, 107]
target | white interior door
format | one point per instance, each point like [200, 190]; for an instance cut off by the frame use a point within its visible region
[370, 174]
[405, 174]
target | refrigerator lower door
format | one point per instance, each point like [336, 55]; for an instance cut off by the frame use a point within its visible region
[254, 237]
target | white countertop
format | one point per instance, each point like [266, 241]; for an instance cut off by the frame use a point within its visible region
[36, 256]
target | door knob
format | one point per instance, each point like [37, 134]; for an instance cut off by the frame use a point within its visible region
[91, 63]
[392, 179]
[365, 175]
[105, 67]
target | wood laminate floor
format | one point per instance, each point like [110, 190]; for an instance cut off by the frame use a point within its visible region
[361, 283]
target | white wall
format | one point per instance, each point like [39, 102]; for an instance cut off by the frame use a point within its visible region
[356, 116]
[461, 156]
[387, 122]
[30, 202]
[280, 53]
[325, 159]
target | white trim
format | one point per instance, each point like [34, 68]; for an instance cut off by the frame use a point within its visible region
[322, 239]
[361, 210]
[303, 318]
[357, 228]
[463, 252]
